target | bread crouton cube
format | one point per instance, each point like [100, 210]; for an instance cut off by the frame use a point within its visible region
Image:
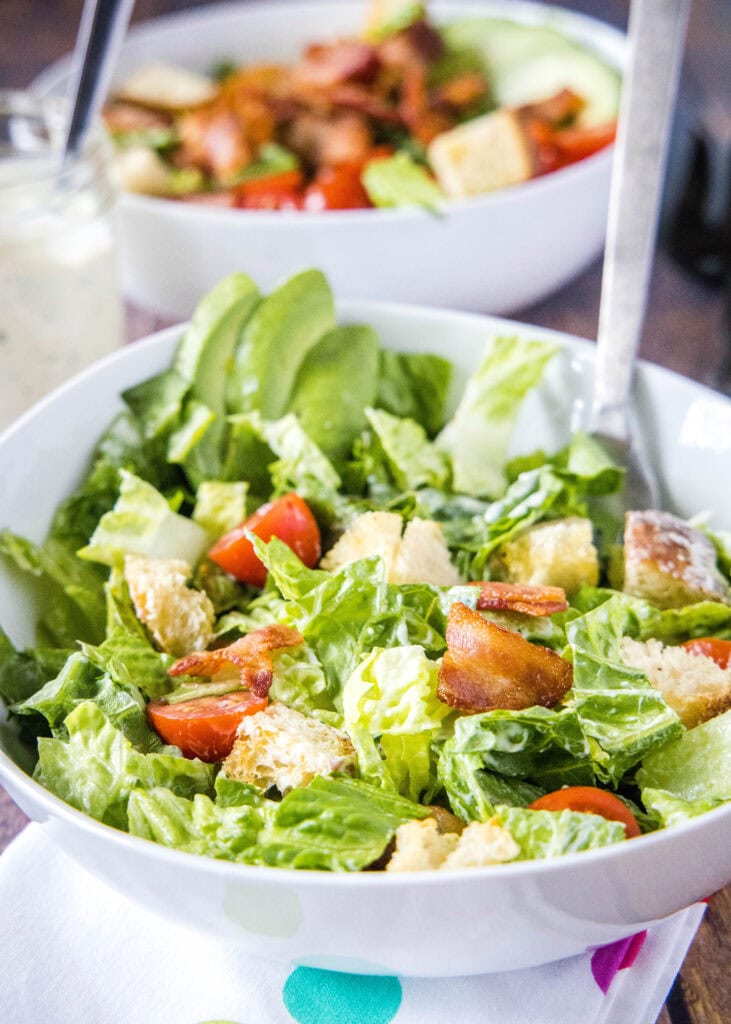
[282, 748]
[423, 556]
[487, 153]
[669, 563]
[420, 556]
[166, 86]
[420, 846]
[481, 844]
[372, 533]
[694, 686]
[559, 553]
[179, 618]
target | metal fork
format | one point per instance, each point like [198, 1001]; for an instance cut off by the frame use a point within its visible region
[656, 38]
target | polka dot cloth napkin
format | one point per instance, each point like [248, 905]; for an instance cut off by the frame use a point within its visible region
[73, 951]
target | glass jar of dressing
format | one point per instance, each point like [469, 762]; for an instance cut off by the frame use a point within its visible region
[60, 307]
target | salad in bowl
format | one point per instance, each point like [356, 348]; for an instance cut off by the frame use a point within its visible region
[297, 614]
[408, 112]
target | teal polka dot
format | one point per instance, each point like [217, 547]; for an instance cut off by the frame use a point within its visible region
[313, 996]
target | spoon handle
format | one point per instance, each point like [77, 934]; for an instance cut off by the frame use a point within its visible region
[102, 29]
[656, 37]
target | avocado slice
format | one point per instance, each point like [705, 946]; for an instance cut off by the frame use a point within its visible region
[336, 382]
[276, 341]
[205, 352]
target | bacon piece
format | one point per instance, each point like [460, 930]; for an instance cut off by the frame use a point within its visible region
[563, 106]
[215, 140]
[342, 138]
[521, 597]
[487, 667]
[348, 60]
[461, 91]
[250, 655]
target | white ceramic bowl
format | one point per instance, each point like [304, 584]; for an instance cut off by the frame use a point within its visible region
[463, 922]
[493, 254]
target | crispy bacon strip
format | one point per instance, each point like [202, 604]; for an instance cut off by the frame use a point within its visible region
[250, 655]
[487, 667]
[348, 60]
[521, 597]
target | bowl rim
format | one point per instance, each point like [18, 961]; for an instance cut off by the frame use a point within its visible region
[608, 37]
[615, 853]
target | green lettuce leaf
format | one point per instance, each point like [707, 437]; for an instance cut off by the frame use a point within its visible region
[226, 832]
[220, 506]
[478, 435]
[691, 773]
[621, 713]
[392, 696]
[299, 682]
[544, 834]
[413, 461]
[70, 591]
[143, 523]
[399, 180]
[157, 403]
[82, 680]
[512, 757]
[332, 825]
[97, 768]
[23, 673]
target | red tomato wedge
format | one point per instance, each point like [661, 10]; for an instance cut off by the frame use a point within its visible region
[204, 727]
[718, 650]
[288, 518]
[589, 800]
[337, 188]
[281, 191]
[521, 597]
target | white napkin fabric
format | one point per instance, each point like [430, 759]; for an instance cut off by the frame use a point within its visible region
[73, 951]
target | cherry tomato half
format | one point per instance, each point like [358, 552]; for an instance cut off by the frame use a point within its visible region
[718, 650]
[337, 188]
[281, 191]
[206, 726]
[589, 800]
[288, 518]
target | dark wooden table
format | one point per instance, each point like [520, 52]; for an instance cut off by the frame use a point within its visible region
[687, 329]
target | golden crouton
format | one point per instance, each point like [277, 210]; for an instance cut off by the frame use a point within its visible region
[694, 686]
[481, 155]
[420, 846]
[179, 618]
[420, 556]
[559, 553]
[281, 747]
[166, 86]
[669, 563]
[481, 844]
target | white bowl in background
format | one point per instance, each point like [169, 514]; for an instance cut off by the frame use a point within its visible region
[494, 253]
[461, 922]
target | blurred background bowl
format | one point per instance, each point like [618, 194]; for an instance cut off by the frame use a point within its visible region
[495, 253]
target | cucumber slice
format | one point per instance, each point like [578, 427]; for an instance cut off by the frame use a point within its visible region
[528, 63]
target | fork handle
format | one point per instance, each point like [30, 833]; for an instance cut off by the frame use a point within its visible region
[656, 37]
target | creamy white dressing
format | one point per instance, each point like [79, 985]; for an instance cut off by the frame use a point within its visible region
[60, 307]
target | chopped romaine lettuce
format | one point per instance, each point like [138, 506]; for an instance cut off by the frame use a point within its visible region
[97, 768]
[543, 834]
[399, 181]
[220, 506]
[478, 434]
[143, 523]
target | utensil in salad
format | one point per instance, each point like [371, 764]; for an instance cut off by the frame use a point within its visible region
[102, 29]
[656, 37]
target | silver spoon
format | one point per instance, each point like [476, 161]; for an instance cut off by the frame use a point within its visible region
[656, 37]
[102, 29]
